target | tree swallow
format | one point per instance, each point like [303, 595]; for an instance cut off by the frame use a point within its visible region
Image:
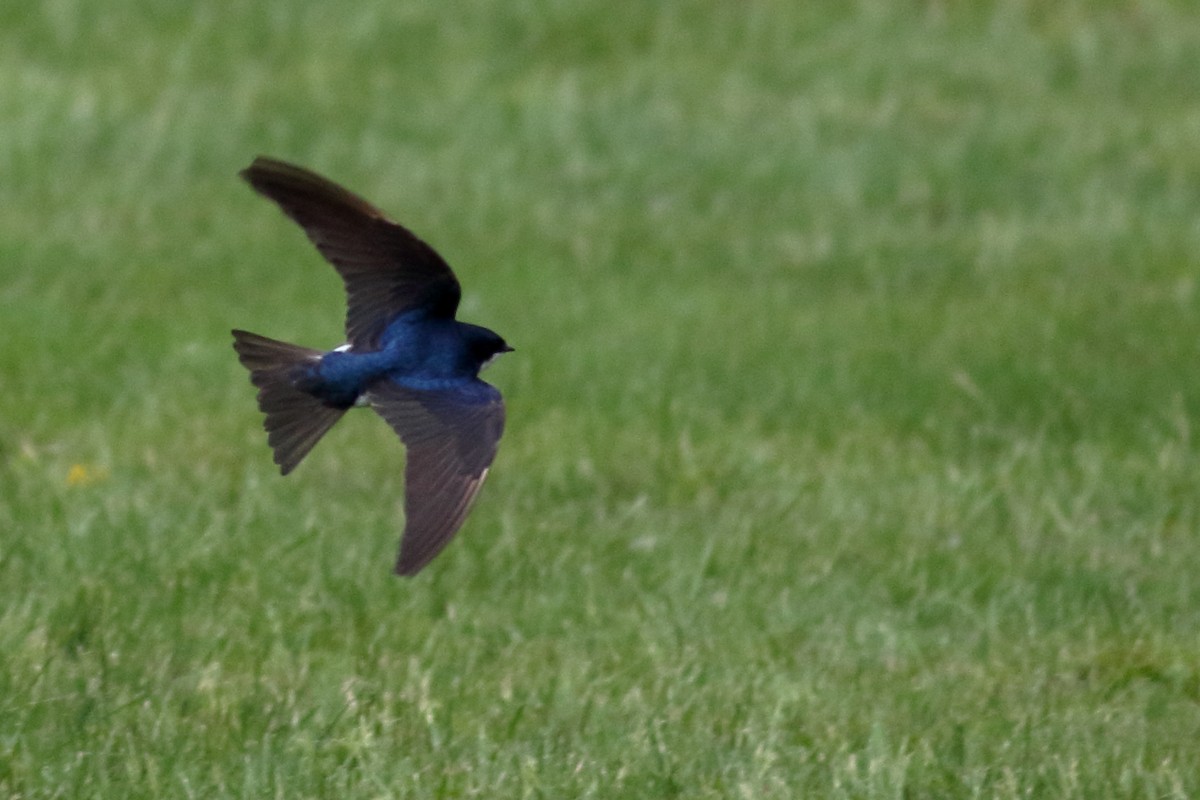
[406, 357]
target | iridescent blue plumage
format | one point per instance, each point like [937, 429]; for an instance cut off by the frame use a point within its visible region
[407, 357]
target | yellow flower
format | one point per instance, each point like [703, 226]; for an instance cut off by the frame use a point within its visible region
[83, 475]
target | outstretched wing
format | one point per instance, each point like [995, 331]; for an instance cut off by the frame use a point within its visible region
[451, 436]
[386, 268]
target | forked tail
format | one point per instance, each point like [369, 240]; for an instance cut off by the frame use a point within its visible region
[296, 420]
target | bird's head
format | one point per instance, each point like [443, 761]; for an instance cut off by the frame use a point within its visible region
[485, 346]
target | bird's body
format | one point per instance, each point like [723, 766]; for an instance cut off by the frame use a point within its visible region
[407, 357]
[414, 351]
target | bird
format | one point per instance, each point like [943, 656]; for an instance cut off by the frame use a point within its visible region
[406, 357]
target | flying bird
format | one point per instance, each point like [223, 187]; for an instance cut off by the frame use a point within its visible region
[406, 356]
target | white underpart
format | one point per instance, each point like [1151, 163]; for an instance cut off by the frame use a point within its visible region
[490, 359]
[342, 348]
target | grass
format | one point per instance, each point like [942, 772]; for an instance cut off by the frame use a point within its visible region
[850, 446]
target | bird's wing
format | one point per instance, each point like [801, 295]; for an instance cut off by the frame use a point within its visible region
[451, 436]
[387, 269]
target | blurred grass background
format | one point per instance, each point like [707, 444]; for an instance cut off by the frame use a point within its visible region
[850, 444]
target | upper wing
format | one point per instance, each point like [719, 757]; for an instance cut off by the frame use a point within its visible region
[451, 437]
[386, 268]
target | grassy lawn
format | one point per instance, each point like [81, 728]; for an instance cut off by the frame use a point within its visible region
[850, 448]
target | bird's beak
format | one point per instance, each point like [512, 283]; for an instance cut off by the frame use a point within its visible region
[508, 349]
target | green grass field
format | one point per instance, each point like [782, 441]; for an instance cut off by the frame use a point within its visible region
[850, 448]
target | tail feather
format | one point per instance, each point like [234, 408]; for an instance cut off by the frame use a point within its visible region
[295, 420]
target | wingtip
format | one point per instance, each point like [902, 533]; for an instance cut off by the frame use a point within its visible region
[260, 160]
[247, 173]
[264, 166]
[402, 570]
[257, 167]
[410, 561]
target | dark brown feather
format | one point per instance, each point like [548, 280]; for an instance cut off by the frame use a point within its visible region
[385, 267]
[295, 420]
[451, 438]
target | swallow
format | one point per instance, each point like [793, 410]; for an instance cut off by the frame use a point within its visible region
[406, 356]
